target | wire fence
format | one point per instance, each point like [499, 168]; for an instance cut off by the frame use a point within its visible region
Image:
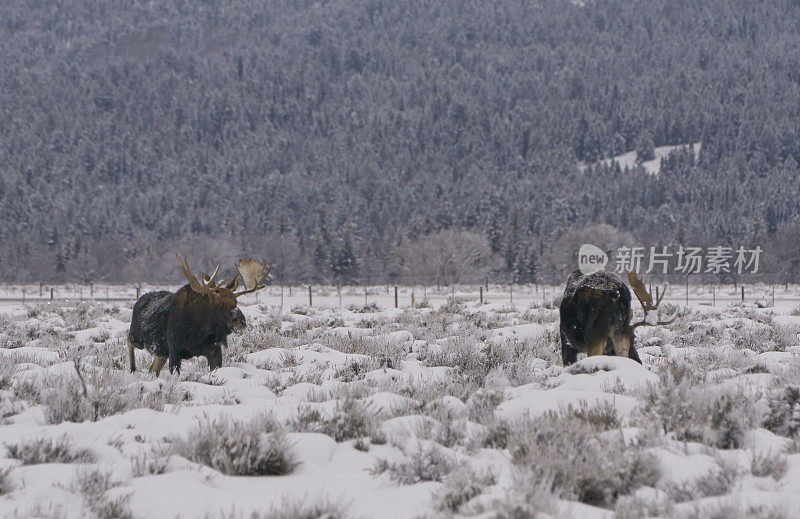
[401, 296]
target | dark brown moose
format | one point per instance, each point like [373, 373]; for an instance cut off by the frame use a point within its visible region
[196, 320]
[596, 313]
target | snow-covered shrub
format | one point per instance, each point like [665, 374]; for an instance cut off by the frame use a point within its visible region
[482, 403]
[255, 337]
[305, 508]
[93, 394]
[716, 482]
[422, 461]
[487, 321]
[460, 487]
[47, 450]
[350, 420]
[256, 448]
[783, 416]
[302, 310]
[79, 316]
[760, 338]
[469, 356]
[454, 305]
[700, 413]
[496, 435]
[385, 353]
[771, 464]
[151, 463]
[583, 466]
[538, 315]
[369, 308]
[530, 497]
[6, 485]
[637, 507]
[93, 485]
[603, 416]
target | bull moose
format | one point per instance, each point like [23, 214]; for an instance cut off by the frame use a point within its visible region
[196, 320]
[596, 312]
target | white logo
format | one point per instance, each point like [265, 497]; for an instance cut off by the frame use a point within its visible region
[591, 259]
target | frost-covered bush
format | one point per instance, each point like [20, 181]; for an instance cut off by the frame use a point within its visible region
[47, 450]
[718, 481]
[460, 487]
[529, 497]
[637, 507]
[93, 394]
[93, 485]
[302, 310]
[369, 308]
[305, 508]
[150, 463]
[422, 461]
[257, 448]
[255, 337]
[82, 315]
[783, 416]
[469, 356]
[350, 420]
[6, 485]
[699, 413]
[771, 464]
[386, 353]
[582, 465]
[482, 403]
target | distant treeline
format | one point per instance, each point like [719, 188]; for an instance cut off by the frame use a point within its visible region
[349, 131]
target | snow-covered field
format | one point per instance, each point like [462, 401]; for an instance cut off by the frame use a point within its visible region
[458, 409]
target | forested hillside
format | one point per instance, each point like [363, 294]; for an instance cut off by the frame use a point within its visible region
[346, 136]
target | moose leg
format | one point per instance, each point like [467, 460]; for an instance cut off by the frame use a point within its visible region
[622, 344]
[632, 354]
[131, 355]
[569, 355]
[596, 347]
[214, 358]
[174, 361]
[158, 365]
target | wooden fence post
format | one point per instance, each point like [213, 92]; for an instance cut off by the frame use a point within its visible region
[309, 296]
[395, 296]
[481, 290]
[51, 293]
[742, 293]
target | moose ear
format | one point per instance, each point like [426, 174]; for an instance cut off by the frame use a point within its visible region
[234, 284]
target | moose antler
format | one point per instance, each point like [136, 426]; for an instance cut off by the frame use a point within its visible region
[253, 275]
[646, 299]
[205, 287]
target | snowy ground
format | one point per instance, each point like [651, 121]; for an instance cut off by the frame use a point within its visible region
[457, 410]
[628, 160]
